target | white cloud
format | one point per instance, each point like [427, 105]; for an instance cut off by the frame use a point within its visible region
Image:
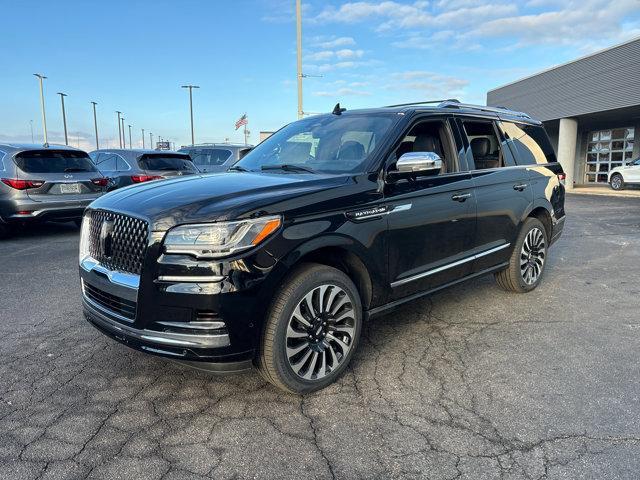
[348, 53]
[335, 42]
[465, 24]
[432, 85]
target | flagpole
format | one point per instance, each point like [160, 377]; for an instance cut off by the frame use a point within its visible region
[245, 131]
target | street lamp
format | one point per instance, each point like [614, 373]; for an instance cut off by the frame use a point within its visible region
[191, 87]
[64, 118]
[299, 55]
[44, 115]
[119, 133]
[143, 138]
[150, 140]
[31, 125]
[95, 123]
[124, 139]
[130, 144]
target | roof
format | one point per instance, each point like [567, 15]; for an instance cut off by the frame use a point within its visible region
[604, 81]
[443, 106]
[575, 60]
[36, 146]
[138, 151]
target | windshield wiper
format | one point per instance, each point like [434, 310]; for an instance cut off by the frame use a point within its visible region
[288, 167]
[237, 168]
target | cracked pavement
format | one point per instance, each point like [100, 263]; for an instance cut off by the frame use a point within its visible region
[471, 383]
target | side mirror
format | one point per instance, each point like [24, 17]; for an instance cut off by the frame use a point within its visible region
[418, 163]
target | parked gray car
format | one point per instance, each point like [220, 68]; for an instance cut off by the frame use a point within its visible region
[39, 183]
[127, 167]
[216, 157]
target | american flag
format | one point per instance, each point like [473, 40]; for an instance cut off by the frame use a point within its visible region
[242, 121]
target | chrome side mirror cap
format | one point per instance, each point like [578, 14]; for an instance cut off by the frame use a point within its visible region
[424, 163]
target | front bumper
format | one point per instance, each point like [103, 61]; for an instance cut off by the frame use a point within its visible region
[114, 304]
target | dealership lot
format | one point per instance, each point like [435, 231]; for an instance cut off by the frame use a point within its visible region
[471, 383]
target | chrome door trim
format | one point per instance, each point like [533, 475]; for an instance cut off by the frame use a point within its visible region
[418, 276]
[191, 279]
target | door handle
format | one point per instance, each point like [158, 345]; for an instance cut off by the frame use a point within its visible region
[460, 197]
[520, 186]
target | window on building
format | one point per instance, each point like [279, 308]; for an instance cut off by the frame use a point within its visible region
[607, 149]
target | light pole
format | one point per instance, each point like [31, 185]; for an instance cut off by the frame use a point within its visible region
[151, 140]
[130, 144]
[95, 123]
[64, 118]
[191, 87]
[44, 115]
[31, 125]
[143, 138]
[124, 139]
[299, 55]
[119, 133]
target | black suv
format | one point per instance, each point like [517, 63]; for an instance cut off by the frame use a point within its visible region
[332, 220]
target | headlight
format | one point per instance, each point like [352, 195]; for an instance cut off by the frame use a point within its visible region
[84, 238]
[215, 240]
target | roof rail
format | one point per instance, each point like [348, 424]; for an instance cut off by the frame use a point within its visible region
[453, 100]
[483, 108]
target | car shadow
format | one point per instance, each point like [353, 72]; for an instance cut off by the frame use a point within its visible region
[45, 229]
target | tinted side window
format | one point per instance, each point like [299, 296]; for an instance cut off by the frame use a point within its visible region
[107, 161]
[529, 142]
[486, 147]
[210, 157]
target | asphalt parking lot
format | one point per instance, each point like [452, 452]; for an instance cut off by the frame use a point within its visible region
[472, 383]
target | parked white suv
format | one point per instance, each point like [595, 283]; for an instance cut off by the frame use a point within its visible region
[628, 174]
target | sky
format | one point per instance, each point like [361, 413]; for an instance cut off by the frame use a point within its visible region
[133, 56]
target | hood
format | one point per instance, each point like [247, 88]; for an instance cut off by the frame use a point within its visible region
[206, 198]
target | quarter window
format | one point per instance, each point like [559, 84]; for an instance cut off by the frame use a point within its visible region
[529, 143]
[107, 162]
[2, 154]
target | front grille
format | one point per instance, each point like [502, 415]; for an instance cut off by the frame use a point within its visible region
[127, 243]
[113, 303]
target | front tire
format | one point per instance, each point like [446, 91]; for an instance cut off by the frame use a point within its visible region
[528, 260]
[616, 181]
[312, 329]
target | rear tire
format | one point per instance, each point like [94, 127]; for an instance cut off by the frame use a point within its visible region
[616, 181]
[528, 260]
[312, 329]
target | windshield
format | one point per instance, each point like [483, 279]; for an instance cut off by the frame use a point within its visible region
[48, 161]
[328, 144]
[166, 162]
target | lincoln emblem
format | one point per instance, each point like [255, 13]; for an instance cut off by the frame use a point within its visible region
[106, 239]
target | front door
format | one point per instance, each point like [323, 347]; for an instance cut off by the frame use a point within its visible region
[432, 218]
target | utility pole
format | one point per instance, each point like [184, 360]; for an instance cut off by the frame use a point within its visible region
[95, 124]
[44, 115]
[119, 133]
[191, 87]
[143, 138]
[151, 140]
[299, 55]
[130, 144]
[64, 118]
[31, 125]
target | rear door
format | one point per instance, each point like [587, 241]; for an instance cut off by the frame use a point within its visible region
[166, 165]
[503, 192]
[66, 175]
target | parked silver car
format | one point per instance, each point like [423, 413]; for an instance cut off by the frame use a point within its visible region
[129, 166]
[39, 183]
[216, 157]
